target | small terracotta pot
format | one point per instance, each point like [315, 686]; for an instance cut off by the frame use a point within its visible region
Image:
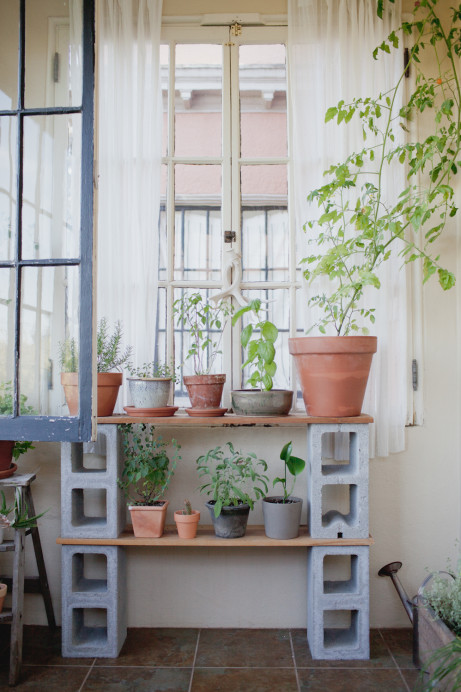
[148, 521]
[3, 590]
[205, 391]
[6, 454]
[108, 384]
[187, 523]
[333, 372]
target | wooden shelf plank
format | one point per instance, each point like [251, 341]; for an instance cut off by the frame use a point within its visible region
[181, 419]
[254, 538]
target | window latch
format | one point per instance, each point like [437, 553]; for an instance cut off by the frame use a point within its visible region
[230, 236]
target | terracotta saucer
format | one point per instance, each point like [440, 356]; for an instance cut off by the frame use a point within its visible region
[154, 412]
[206, 412]
[8, 472]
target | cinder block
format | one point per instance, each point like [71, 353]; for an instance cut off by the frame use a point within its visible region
[93, 609]
[81, 484]
[350, 477]
[338, 612]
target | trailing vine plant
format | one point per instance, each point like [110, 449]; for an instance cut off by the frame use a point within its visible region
[355, 236]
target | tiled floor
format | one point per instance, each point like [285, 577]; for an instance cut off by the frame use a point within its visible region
[209, 660]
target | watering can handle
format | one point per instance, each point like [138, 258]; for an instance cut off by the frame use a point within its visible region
[428, 579]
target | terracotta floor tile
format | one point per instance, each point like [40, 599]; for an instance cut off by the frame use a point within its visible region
[347, 680]
[138, 679]
[247, 679]
[43, 647]
[156, 647]
[379, 654]
[46, 679]
[244, 648]
[400, 643]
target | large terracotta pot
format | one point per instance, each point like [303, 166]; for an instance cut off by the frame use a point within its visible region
[148, 521]
[6, 454]
[108, 385]
[187, 523]
[205, 391]
[333, 372]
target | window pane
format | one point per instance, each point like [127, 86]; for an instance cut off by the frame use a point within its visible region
[265, 244]
[268, 182]
[49, 315]
[7, 291]
[8, 172]
[9, 36]
[164, 71]
[53, 53]
[198, 89]
[263, 122]
[51, 196]
[275, 308]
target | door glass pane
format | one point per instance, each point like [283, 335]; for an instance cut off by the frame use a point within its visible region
[51, 197]
[268, 182]
[49, 316]
[263, 106]
[265, 244]
[9, 36]
[53, 53]
[198, 100]
[8, 172]
[164, 72]
[197, 222]
[7, 292]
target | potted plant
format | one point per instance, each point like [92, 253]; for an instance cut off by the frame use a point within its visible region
[146, 475]
[205, 324]
[235, 480]
[9, 449]
[109, 357]
[282, 513]
[150, 387]
[359, 227]
[258, 338]
[187, 520]
[20, 511]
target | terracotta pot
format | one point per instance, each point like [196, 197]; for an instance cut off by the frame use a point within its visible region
[3, 590]
[205, 391]
[6, 454]
[333, 372]
[148, 522]
[187, 523]
[108, 385]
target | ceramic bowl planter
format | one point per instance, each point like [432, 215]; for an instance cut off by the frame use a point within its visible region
[281, 519]
[3, 590]
[259, 402]
[108, 384]
[333, 372]
[148, 521]
[149, 392]
[231, 522]
[187, 523]
[205, 392]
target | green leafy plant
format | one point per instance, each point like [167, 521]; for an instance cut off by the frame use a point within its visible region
[259, 339]
[153, 370]
[20, 511]
[293, 465]
[109, 353]
[444, 597]
[205, 324]
[447, 671]
[148, 470]
[234, 477]
[6, 401]
[68, 355]
[358, 228]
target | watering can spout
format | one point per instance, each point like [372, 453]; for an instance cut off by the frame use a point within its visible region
[390, 570]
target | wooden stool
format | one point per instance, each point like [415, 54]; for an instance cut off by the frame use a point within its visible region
[18, 584]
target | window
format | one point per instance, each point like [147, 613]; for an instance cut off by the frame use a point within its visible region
[226, 169]
[46, 211]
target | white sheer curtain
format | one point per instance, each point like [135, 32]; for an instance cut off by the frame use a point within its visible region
[129, 166]
[330, 58]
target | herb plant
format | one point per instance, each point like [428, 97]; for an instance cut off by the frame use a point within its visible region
[233, 477]
[68, 355]
[148, 469]
[258, 339]
[6, 401]
[358, 227]
[109, 352]
[153, 370]
[205, 324]
[293, 465]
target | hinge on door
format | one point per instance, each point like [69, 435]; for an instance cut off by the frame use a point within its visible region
[236, 29]
[414, 374]
[229, 236]
[56, 68]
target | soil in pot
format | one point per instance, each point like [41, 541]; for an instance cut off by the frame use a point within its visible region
[281, 519]
[148, 521]
[187, 523]
[205, 391]
[333, 372]
[232, 521]
[257, 402]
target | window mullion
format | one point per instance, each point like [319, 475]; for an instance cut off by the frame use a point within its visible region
[170, 205]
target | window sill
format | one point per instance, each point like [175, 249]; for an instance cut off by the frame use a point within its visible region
[230, 420]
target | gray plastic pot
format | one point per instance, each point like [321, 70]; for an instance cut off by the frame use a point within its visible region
[232, 522]
[257, 402]
[149, 392]
[282, 520]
